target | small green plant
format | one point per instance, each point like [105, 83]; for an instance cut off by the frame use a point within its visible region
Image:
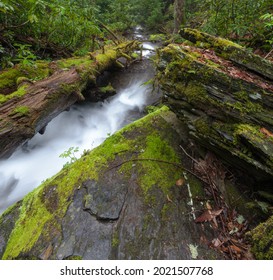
[70, 154]
[268, 23]
[24, 55]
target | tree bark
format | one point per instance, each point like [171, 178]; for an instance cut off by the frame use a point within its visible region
[179, 14]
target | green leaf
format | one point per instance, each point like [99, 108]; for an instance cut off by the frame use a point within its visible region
[32, 18]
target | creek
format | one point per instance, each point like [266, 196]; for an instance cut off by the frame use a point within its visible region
[85, 126]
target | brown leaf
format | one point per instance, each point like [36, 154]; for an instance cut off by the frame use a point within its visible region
[180, 182]
[208, 215]
[266, 132]
[235, 249]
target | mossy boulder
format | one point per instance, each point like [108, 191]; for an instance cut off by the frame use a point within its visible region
[119, 201]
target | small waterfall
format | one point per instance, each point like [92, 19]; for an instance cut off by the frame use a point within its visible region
[84, 125]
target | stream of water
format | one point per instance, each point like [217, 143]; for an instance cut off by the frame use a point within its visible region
[84, 126]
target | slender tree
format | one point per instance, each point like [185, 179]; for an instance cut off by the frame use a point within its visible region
[179, 14]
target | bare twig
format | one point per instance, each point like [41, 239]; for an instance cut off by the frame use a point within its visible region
[193, 159]
[268, 54]
[176, 164]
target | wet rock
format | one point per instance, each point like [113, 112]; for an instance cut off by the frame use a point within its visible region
[120, 201]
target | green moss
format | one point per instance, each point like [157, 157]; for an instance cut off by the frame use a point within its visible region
[22, 80]
[16, 94]
[226, 44]
[8, 78]
[157, 37]
[262, 240]
[195, 93]
[196, 187]
[38, 71]
[74, 61]
[197, 36]
[202, 127]
[135, 55]
[106, 58]
[28, 227]
[241, 95]
[74, 258]
[115, 240]
[167, 210]
[20, 111]
[251, 130]
[245, 107]
[151, 172]
[36, 210]
[107, 89]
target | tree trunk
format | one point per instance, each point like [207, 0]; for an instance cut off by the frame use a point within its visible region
[179, 14]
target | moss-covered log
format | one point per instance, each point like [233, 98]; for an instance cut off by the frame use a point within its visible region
[231, 51]
[27, 110]
[228, 108]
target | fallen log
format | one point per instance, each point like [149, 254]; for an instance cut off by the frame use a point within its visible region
[226, 104]
[230, 51]
[27, 110]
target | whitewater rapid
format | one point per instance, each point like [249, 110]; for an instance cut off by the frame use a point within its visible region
[84, 126]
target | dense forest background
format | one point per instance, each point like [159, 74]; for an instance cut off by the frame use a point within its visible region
[46, 29]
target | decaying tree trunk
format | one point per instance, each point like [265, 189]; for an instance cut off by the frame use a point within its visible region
[28, 110]
[224, 94]
[179, 14]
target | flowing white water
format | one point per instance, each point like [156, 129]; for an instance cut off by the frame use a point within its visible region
[84, 126]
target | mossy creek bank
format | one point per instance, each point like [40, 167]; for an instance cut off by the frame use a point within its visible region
[150, 191]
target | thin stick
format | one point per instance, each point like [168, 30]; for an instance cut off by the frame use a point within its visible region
[178, 165]
[193, 159]
[268, 54]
